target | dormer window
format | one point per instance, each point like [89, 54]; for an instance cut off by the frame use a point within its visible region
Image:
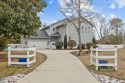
[69, 38]
[53, 29]
[82, 27]
[89, 30]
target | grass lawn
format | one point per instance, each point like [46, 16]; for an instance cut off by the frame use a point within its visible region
[18, 69]
[120, 73]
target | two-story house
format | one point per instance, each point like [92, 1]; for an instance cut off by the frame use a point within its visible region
[48, 36]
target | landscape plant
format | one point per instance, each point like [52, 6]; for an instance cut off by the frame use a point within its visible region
[88, 45]
[65, 42]
[71, 43]
[3, 43]
[76, 9]
[19, 17]
[94, 40]
[83, 46]
[59, 44]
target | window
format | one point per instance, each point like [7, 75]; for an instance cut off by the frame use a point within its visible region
[86, 30]
[69, 37]
[89, 30]
[83, 29]
[53, 29]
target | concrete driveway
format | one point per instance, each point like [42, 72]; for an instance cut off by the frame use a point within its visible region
[60, 67]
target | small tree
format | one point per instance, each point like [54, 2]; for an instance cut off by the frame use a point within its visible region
[65, 42]
[71, 43]
[94, 40]
[75, 9]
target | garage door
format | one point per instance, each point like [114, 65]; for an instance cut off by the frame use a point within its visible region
[39, 43]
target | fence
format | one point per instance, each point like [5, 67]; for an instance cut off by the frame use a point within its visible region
[15, 45]
[110, 46]
[19, 56]
[97, 57]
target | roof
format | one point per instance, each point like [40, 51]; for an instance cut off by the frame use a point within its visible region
[41, 34]
[64, 20]
[57, 34]
[54, 23]
[88, 21]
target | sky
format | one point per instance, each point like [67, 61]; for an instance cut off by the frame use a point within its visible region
[108, 8]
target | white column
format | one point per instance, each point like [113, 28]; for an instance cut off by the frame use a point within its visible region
[67, 34]
[28, 57]
[91, 56]
[9, 56]
[34, 54]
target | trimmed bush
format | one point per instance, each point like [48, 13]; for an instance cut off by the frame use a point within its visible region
[65, 42]
[71, 43]
[59, 44]
[83, 46]
[88, 45]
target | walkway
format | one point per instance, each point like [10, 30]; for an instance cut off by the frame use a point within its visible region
[60, 67]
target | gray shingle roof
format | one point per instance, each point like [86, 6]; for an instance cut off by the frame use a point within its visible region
[40, 34]
[57, 34]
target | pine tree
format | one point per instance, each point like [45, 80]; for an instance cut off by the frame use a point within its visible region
[65, 42]
[94, 40]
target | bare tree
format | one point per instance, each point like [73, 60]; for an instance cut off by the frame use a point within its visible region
[112, 30]
[76, 9]
[102, 27]
[116, 25]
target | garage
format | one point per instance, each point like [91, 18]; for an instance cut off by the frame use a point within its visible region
[40, 40]
[39, 43]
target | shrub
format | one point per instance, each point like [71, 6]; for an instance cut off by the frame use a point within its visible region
[88, 45]
[65, 42]
[83, 46]
[3, 43]
[71, 43]
[95, 46]
[59, 44]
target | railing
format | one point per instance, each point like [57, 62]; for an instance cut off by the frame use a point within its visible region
[97, 57]
[110, 46]
[27, 56]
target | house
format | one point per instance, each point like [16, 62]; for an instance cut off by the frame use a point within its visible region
[48, 36]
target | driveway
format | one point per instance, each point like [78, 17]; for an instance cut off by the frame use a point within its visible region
[60, 67]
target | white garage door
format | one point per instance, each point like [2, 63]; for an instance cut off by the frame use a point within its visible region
[39, 43]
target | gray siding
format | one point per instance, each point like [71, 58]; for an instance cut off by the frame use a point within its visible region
[55, 26]
[72, 33]
[86, 34]
[62, 31]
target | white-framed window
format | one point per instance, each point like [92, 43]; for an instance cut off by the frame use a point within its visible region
[83, 29]
[89, 30]
[69, 38]
[86, 30]
[53, 29]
